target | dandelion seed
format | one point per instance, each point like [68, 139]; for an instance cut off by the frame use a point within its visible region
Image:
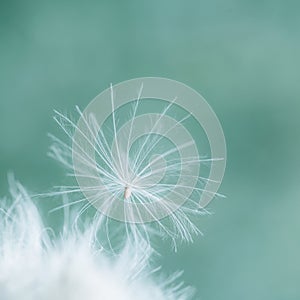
[129, 145]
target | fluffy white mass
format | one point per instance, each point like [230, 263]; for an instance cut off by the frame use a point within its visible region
[36, 266]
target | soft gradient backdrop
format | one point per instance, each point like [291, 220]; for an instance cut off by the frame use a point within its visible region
[242, 56]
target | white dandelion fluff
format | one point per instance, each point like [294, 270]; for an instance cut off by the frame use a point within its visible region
[137, 160]
[35, 265]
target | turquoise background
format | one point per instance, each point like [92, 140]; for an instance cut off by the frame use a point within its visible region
[242, 56]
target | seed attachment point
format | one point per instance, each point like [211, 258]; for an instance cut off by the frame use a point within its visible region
[127, 192]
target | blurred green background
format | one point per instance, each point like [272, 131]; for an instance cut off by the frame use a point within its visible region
[242, 56]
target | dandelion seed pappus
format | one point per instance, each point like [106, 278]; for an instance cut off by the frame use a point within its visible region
[146, 149]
